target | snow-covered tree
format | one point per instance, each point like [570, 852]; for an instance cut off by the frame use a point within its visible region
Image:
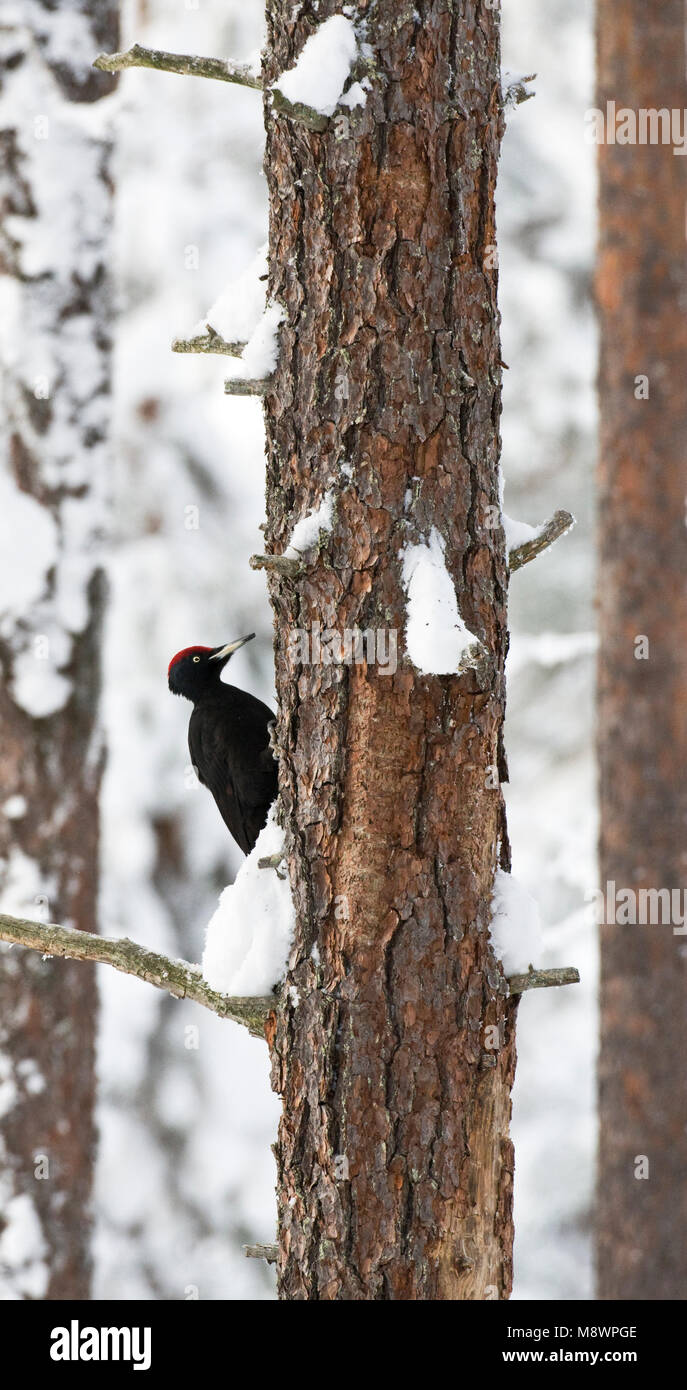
[55, 346]
[401, 445]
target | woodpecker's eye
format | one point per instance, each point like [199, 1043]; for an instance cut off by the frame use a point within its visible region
[196, 658]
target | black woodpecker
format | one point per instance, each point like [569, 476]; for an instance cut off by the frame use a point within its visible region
[228, 739]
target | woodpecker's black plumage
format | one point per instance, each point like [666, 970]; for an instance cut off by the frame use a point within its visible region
[228, 739]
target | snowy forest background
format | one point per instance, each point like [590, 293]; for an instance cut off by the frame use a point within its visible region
[185, 1170]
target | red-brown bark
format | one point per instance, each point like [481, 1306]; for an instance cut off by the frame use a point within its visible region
[394, 1163]
[642, 293]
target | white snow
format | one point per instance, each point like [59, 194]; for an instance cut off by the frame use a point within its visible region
[319, 75]
[259, 357]
[80, 553]
[26, 892]
[22, 1250]
[515, 932]
[28, 545]
[510, 81]
[437, 640]
[38, 687]
[249, 937]
[15, 807]
[51, 353]
[238, 310]
[517, 532]
[355, 96]
[306, 531]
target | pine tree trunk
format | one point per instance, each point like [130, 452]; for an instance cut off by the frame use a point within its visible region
[56, 371]
[395, 1167]
[642, 291]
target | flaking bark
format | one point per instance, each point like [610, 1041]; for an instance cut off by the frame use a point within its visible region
[395, 1165]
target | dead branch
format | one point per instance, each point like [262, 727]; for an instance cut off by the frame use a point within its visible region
[262, 1252]
[281, 564]
[546, 535]
[188, 65]
[297, 111]
[208, 342]
[543, 979]
[183, 63]
[175, 977]
[247, 386]
[184, 981]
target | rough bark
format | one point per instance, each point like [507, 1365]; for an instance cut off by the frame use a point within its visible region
[642, 292]
[56, 368]
[394, 1163]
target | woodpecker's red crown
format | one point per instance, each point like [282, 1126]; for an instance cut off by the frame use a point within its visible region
[195, 671]
[188, 651]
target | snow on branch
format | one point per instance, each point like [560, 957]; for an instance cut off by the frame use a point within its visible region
[189, 65]
[258, 361]
[516, 937]
[312, 89]
[250, 934]
[514, 89]
[542, 537]
[306, 534]
[184, 981]
[185, 64]
[176, 977]
[238, 324]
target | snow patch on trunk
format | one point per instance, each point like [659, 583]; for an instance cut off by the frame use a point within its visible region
[249, 936]
[306, 532]
[437, 640]
[323, 66]
[515, 931]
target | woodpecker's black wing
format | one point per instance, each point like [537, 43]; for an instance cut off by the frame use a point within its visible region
[228, 739]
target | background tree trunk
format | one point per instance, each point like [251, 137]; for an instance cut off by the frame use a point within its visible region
[642, 291]
[56, 369]
[394, 1162]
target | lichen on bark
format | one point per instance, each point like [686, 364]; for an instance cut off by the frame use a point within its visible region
[395, 1165]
